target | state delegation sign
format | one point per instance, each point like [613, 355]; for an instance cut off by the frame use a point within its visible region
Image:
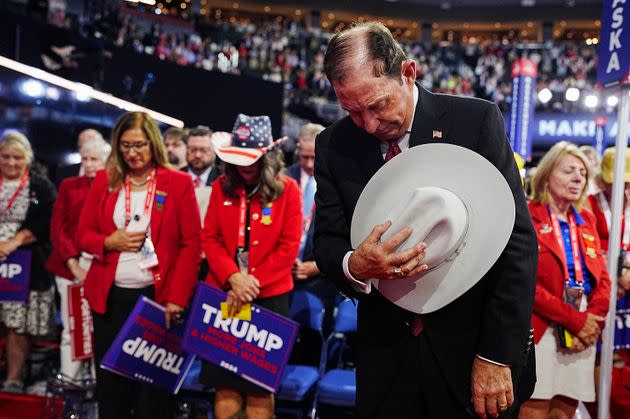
[614, 50]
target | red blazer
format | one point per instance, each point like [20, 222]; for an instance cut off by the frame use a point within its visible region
[549, 306]
[175, 231]
[272, 248]
[64, 224]
[602, 224]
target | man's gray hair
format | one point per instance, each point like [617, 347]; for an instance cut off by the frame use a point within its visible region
[370, 42]
[310, 131]
[98, 146]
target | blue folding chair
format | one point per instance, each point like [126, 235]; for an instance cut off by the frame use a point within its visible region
[338, 386]
[299, 381]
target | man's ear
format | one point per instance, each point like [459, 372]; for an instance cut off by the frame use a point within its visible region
[409, 71]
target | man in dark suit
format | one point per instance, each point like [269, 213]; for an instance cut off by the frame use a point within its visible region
[306, 275]
[474, 356]
[200, 158]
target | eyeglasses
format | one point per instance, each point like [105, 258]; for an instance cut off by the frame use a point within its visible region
[126, 147]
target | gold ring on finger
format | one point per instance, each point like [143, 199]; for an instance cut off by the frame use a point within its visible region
[398, 271]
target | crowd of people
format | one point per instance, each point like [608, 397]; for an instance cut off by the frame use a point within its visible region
[95, 236]
[288, 52]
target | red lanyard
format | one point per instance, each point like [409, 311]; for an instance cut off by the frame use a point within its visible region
[147, 202]
[577, 263]
[241, 221]
[25, 177]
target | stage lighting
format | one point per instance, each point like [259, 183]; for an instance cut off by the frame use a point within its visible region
[572, 94]
[544, 95]
[612, 101]
[33, 88]
[591, 101]
[53, 93]
[82, 94]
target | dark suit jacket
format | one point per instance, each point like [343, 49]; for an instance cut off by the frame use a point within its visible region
[295, 173]
[214, 174]
[64, 172]
[492, 319]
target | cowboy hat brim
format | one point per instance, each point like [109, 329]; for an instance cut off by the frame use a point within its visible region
[239, 156]
[491, 213]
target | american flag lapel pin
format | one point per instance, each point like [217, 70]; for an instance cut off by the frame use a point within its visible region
[437, 134]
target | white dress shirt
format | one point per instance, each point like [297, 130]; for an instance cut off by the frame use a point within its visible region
[202, 177]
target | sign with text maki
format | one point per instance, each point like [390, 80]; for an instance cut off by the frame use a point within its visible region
[146, 351]
[256, 349]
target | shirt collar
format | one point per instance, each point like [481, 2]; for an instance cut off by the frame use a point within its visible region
[203, 176]
[578, 218]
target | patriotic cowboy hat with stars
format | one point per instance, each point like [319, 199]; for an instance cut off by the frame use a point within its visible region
[250, 139]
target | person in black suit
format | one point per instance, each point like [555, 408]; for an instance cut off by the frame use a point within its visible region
[474, 356]
[306, 274]
[200, 158]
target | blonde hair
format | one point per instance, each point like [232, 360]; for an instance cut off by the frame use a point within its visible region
[540, 181]
[310, 131]
[18, 141]
[116, 167]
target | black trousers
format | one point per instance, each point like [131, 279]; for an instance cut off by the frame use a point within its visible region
[420, 390]
[119, 397]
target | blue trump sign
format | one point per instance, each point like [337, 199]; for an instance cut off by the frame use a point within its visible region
[256, 350]
[15, 276]
[614, 48]
[146, 351]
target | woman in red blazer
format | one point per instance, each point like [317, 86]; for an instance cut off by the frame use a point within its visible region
[65, 260]
[251, 237]
[137, 201]
[572, 289]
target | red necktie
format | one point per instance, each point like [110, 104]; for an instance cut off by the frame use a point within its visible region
[197, 182]
[393, 150]
[417, 323]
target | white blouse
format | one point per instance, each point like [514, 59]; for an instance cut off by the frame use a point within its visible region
[128, 272]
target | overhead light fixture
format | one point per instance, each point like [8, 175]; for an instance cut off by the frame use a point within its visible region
[33, 88]
[572, 94]
[49, 78]
[591, 101]
[545, 95]
[528, 3]
[612, 101]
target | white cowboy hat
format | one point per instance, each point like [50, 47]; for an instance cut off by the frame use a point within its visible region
[457, 202]
[250, 139]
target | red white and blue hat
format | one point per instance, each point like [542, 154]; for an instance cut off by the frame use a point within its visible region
[250, 139]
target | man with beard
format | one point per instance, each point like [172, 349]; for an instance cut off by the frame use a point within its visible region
[175, 143]
[200, 158]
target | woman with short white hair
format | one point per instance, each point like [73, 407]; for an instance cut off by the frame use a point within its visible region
[66, 261]
[26, 201]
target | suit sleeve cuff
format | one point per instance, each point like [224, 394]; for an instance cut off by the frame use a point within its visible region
[492, 362]
[359, 286]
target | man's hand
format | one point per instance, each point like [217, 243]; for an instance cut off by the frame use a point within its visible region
[591, 331]
[375, 259]
[491, 387]
[305, 270]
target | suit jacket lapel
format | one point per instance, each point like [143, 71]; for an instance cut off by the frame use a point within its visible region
[429, 117]
[369, 157]
[108, 210]
[546, 237]
[157, 210]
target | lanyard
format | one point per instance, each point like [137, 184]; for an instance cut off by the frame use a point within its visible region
[577, 263]
[148, 202]
[603, 202]
[241, 220]
[25, 177]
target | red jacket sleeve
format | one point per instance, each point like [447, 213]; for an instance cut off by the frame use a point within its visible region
[220, 262]
[189, 258]
[59, 225]
[90, 238]
[282, 259]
